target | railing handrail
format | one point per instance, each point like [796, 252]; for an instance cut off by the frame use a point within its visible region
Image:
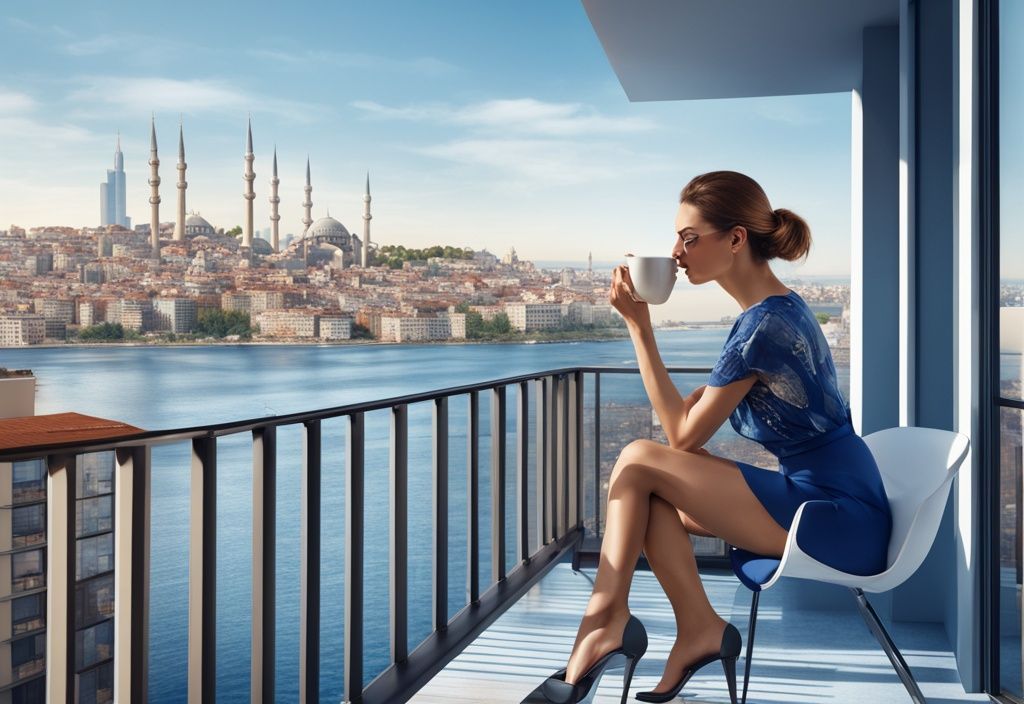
[161, 437]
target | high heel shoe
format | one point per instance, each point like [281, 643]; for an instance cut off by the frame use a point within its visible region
[555, 690]
[727, 653]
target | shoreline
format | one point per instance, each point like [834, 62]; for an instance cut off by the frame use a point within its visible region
[283, 343]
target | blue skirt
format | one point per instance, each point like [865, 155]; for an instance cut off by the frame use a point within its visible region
[848, 526]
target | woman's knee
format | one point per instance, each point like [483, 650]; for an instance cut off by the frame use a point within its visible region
[633, 455]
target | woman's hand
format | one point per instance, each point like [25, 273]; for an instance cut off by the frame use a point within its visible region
[622, 298]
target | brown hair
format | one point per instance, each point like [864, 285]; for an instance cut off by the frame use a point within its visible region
[728, 198]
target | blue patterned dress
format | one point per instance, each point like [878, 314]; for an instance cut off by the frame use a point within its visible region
[796, 411]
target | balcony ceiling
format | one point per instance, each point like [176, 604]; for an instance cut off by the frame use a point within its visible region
[694, 49]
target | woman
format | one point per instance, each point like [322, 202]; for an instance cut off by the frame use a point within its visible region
[776, 382]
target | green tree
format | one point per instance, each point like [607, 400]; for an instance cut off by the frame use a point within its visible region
[823, 317]
[234, 231]
[104, 332]
[221, 323]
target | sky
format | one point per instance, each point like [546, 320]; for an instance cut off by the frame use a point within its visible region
[481, 124]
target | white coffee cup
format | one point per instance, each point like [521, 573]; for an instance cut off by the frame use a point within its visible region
[653, 277]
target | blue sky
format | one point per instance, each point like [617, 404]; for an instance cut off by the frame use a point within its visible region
[481, 124]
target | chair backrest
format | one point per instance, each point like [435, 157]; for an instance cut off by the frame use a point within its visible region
[917, 467]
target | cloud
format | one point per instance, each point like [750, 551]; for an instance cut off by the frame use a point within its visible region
[424, 65]
[12, 102]
[155, 93]
[519, 115]
[530, 163]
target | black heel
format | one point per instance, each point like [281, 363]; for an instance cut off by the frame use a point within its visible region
[555, 690]
[727, 653]
[729, 665]
[627, 677]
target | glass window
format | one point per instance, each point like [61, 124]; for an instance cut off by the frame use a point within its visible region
[27, 570]
[1011, 339]
[94, 515]
[29, 692]
[94, 644]
[95, 555]
[27, 613]
[28, 525]
[96, 686]
[28, 481]
[96, 474]
[28, 656]
[94, 600]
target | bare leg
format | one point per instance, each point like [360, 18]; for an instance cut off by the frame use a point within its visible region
[709, 489]
[669, 551]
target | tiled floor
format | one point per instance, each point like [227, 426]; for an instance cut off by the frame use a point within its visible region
[799, 656]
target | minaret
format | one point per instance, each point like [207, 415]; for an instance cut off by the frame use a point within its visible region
[179, 226]
[274, 201]
[307, 217]
[249, 176]
[366, 222]
[590, 262]
[154, 194]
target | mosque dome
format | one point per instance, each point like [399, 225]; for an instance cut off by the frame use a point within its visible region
[261, 246]
[328, 229]
[198, 225]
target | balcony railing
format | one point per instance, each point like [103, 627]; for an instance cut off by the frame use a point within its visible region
[557, 398]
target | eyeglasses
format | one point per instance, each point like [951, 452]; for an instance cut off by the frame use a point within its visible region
[690, 240]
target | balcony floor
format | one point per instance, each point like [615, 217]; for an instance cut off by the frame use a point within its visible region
[800, 655]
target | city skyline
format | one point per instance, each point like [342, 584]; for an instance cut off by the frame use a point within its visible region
[471, 142]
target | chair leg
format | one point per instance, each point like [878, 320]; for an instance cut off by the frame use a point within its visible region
[751, 623]
[895, 657]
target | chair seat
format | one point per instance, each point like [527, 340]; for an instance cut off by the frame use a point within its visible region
[752, 569]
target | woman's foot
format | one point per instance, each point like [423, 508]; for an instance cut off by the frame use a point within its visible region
[599, 634]
[688, 649]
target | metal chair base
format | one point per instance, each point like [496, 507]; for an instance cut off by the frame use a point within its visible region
[876, 628]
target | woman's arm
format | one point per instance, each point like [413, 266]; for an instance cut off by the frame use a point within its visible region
[688, 422]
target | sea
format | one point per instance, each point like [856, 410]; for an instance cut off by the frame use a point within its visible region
[165, 387]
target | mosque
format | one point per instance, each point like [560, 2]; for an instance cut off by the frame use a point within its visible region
[325, 241]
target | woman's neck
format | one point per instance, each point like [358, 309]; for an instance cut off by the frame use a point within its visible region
[753, 285]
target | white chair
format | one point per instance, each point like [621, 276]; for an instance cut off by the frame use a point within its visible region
[917, 467]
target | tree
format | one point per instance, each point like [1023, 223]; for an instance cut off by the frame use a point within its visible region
[823, 317]
[234, 231]
[221, 323]
[104, 332]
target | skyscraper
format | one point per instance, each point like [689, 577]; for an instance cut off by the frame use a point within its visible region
[112, 193]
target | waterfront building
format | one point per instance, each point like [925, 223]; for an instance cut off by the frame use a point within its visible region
[112, 193]
[335, 328]
[534, 316]
[176, 315]
[408, 329]
[287, 323]
[136, 314]
[20, 330]
[457, 322]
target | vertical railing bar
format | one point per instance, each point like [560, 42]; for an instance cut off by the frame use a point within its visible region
[558, 459]
[473, 500]
[498, 448]
[131, 573]
[399, 539]
[309, 601]
[60, 577]
[597, 454]
[566, 453]
[576, 450]
[264, 563]
[440, 580]
[522, 477]
[354, 560]
[540, 480]
[202, 602]
[550, 445]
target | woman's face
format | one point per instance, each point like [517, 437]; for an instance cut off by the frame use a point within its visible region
[705, 258]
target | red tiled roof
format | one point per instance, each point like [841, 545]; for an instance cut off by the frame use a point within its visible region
[31, 431]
